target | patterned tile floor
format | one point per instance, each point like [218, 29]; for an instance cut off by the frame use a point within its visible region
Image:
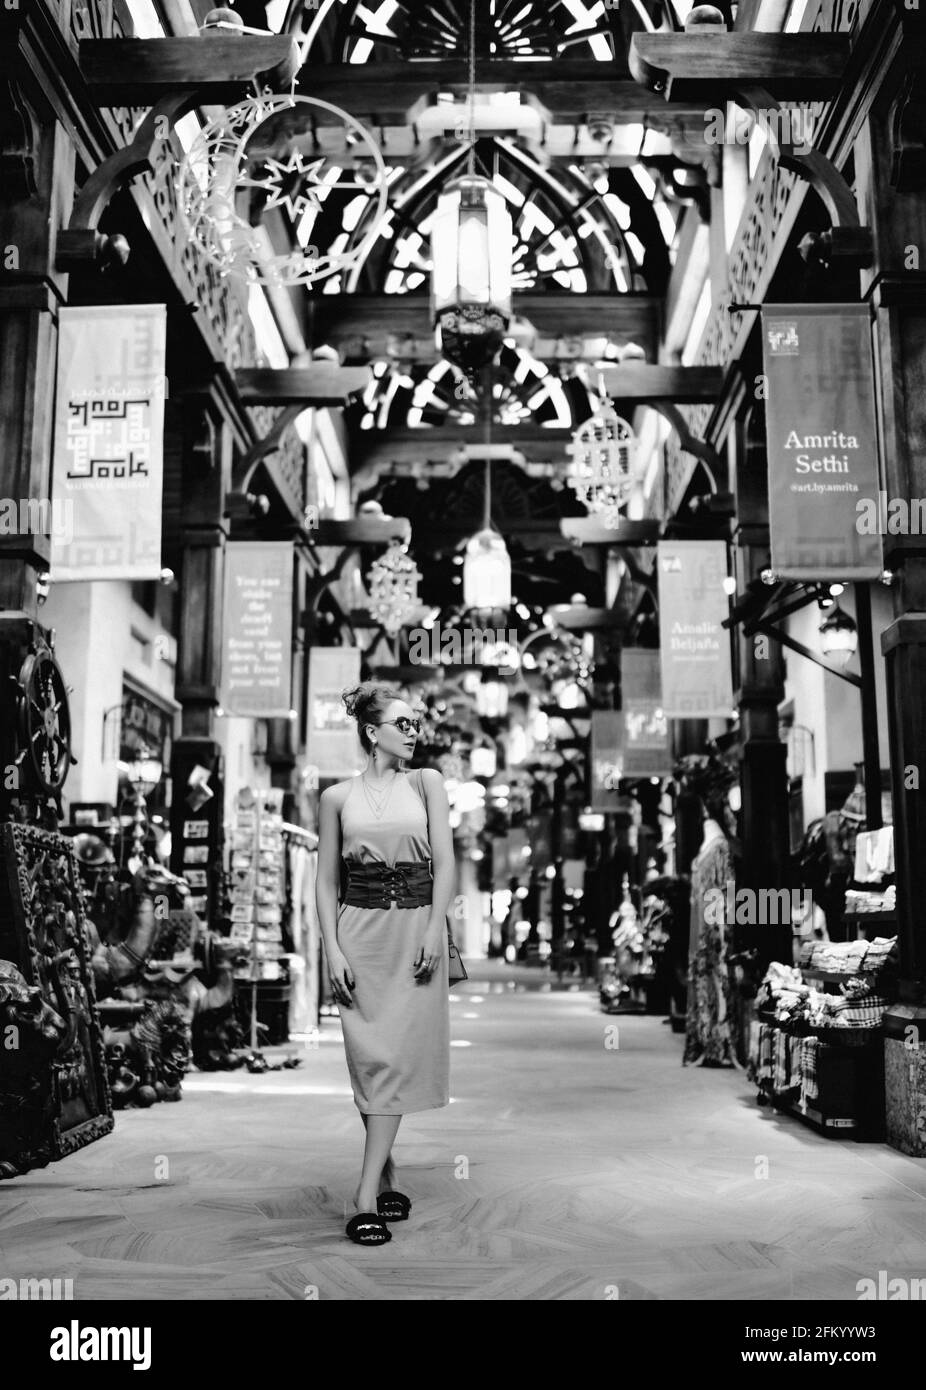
[563, 1169]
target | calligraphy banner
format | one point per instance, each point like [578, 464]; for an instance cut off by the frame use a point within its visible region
[332, 746]
[607, 759]
[257, 634]
[108, 462]
[694, 647]
[646, 730]
[822, 440]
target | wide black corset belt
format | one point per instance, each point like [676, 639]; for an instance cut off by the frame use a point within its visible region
[407, 884]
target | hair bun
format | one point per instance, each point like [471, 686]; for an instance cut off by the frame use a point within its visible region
[352, 698]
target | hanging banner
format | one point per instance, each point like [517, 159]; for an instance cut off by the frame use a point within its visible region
[607, 759]
[108, 462]
[822, 440]
[332, 747]
[694, 648]
[646, 729]
[257, 635]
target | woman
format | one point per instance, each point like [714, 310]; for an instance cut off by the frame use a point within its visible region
[386, 939]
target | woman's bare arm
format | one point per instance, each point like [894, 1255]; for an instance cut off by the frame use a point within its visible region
[440, 836]
[326, 891]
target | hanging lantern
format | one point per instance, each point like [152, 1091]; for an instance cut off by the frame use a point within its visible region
[394, 580]
[486, 571]
[601, 471]
[491, 698]
[840, 636]
[483, 762]
[471, 274]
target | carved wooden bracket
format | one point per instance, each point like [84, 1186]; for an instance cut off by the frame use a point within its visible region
[18, 143]
[705, 453]
[760, 71]
[176, 75]
[244, 469]
[847, 240]
[80, 242]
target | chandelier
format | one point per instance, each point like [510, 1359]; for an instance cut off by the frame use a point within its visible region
[601, 471]
[394, 580]
[471, 257]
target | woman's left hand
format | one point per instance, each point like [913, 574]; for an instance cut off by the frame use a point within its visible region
[429, 955]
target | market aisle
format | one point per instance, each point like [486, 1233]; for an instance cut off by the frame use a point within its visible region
[593, 1172]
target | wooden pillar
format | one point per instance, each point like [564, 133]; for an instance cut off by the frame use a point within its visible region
[764, 775]
[896, 286]
[206, 474]
[33, 203]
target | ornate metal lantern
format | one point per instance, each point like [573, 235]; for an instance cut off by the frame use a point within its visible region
[471, 275]
[601, 471]
[394, 580]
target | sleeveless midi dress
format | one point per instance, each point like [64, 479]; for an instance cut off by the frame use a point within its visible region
[397, 1032]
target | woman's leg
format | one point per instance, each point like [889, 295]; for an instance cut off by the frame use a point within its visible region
[387, 1178]
[381, 1132]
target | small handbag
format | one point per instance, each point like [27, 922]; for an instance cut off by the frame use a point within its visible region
[456, 969]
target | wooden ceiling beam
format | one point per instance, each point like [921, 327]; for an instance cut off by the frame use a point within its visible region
[220, 68]
[569, 89]
[631, 382]
[714, 66]
[370, 448]
[620, 317]
[321, 384]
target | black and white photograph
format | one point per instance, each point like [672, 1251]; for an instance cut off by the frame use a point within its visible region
[463, 670]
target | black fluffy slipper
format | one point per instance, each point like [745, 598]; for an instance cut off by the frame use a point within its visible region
[366, 1228]
[393, 1206]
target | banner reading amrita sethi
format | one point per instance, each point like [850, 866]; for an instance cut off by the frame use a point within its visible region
[822, 440]
[108, 466]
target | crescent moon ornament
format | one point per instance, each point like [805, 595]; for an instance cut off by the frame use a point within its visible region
[244, 149]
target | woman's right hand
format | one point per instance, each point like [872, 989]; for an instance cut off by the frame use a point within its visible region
[341, 979]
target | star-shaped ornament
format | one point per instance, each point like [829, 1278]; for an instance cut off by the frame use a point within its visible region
[286, 180]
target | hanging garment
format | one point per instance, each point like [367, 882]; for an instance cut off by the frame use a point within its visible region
[708, 1037]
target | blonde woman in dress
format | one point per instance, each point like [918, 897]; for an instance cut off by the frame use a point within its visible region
[385, 880]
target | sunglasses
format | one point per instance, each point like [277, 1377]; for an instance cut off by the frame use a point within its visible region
[404, 725]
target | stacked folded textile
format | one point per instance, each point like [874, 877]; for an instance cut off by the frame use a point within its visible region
[810, 1089]
[850, 957]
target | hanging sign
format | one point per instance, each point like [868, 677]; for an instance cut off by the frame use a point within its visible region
[109, 443]
[257, 642]
[694, 648]
[333, 747]
[607, 759]
[822, 440]
[646, 730]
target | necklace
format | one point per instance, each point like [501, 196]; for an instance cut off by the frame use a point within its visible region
[378, 801]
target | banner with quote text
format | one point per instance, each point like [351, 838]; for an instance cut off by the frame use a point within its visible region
[257, 655]
[822, 440]
[694, 647]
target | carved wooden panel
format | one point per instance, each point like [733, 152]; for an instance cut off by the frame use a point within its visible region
[54, 1091]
